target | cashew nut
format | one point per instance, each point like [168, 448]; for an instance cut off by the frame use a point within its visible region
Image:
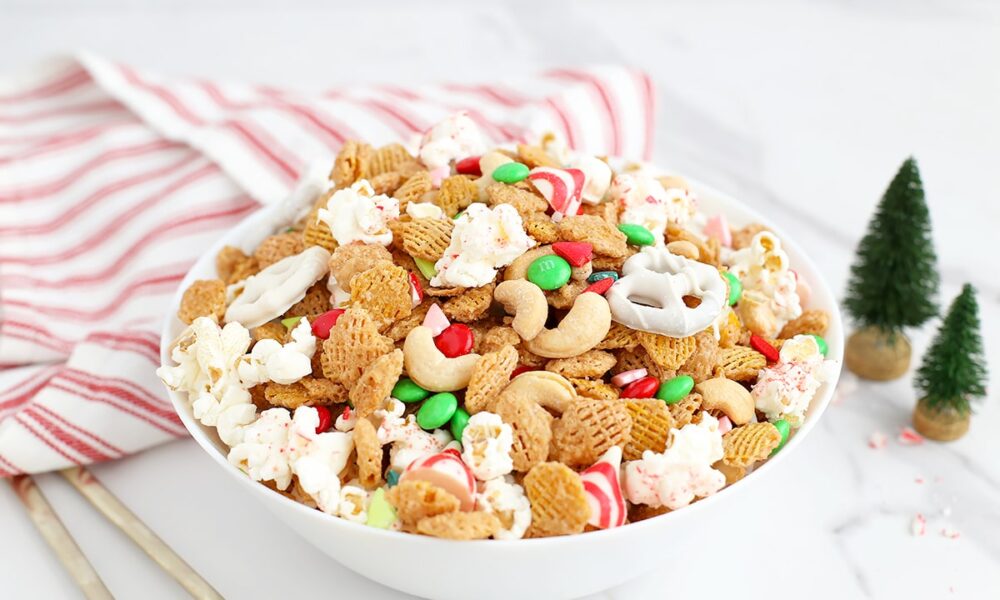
[519, 268]
[548, 389]
[683, 248]
[526, 301]
[432, 370]
[274, 290]
[581, 329]
[754, 310]
[727, 396]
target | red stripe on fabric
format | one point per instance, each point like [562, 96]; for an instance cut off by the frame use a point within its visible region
[11, 468]
[67, 439]
[115, 403]
[147, 285]
[163, 94]
[505, 98]
[92, 436]
[649, 105]
[409, 124]
[122, 389]
[567, 125]
[45, 143]
[23, 423]
[283, 168]
[12, 404]
[187, 224]
[40, 191]
[40, 335]
[605, 95]
[68, 81]
[147, 340]
[63, 111]
[118, 222]
[30, 380]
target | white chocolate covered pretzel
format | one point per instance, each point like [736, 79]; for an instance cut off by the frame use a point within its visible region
[268, 294]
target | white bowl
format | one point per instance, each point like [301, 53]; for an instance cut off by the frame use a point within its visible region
[550, 568]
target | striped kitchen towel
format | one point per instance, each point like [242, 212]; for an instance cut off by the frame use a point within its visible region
[113, 180]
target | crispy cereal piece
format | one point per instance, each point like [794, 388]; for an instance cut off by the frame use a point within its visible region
[638, 358]
[641, 512]
[668, 352]
[558, 502]
[314, 303]
[375, 384]
[564, 297]
[732, 473]
[353, 344]
[593, 363]
[324, 391]
[524, 202]
[272, 330]
[353, 163]
[386, 183]
[426, 238]
[535, 156]
[470, 306]
[442, 292]
[477, 525]
[276, 247]
[456, 193]
[228, 261]
[594, 388]
[751, 443]
[384, 291]
[541, 228]
[651, 424]
[496, 338]
[731, 330]
[402, 327]
[529, 358]
[204, 298]
[413, 189]
[390, 158]
[348, 261]
[531, 425]
[686, 410]
[701, 364]
[605, 210]
[309, 391]
[740, 363]
[810, 321]
[369, 452]
[317, 233]
[619, 336]
[490, 376]
[607, 263]
[587, 428]
[416, 500]
[605, 238]
[754, 310]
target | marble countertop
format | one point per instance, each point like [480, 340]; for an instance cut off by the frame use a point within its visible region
[802, 109]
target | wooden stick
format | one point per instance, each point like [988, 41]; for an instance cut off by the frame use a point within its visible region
[55, 533]
[143, 536]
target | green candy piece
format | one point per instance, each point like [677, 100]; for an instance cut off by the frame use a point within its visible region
[637, 235]
[823, 347]
[674, 390]
[549, 272]
[458, 422]
[392, 478]
[735, 288]
[437, 410]
[381, 514]
[595, 277]
[426, 268]
[784, 429]
[291, 322]
[407, 391]
[511, 172]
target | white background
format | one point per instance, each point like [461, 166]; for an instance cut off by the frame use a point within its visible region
[802, 109]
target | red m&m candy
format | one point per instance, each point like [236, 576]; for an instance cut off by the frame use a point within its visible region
[760, 345]
[455, 340]
[643, 388]
[324, 323]
[468, 166]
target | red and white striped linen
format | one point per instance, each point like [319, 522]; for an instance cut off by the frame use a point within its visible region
[113, 181]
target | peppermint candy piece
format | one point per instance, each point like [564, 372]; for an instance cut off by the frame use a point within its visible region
[604, 491]
[562, 188]
[447, 471]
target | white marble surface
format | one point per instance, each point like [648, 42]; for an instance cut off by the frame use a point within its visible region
[802, 109]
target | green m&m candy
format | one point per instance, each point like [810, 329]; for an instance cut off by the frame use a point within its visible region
[511, 172]
[426, 268]
[823, 348]
[381, 514]
[458, 422]
[437, 410]
[735, 288]
[784, 429]
[407, 391]
[595, 277]
[637, 235]
[549, 272]
[674, 390]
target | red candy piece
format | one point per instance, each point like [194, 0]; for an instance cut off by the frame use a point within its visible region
[324, 323]
[325, 420]
[760, 345]
[601, 286]
[522, 369]
[455, 340]
[469, 166]
[643, 388]
[562, 188]
[416, 290]
[576, 254]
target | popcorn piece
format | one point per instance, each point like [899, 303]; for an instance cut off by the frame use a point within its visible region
[263, 452]
[507, 501]
[486, 446]
[353, 504]
[356, 214]
[681, 473]
[597, 177]
[281, 363]
[452, 139]
[763, 267]
[320, 460]
[784, 390]
[643, 200]
[483, 240]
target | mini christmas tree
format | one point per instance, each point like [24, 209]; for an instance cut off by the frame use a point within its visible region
[894, 279]
[954, 370]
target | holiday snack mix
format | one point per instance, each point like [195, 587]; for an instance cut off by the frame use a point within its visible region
[470, 342]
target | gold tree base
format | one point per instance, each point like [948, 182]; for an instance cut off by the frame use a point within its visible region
[870, 354]
[939, 425]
